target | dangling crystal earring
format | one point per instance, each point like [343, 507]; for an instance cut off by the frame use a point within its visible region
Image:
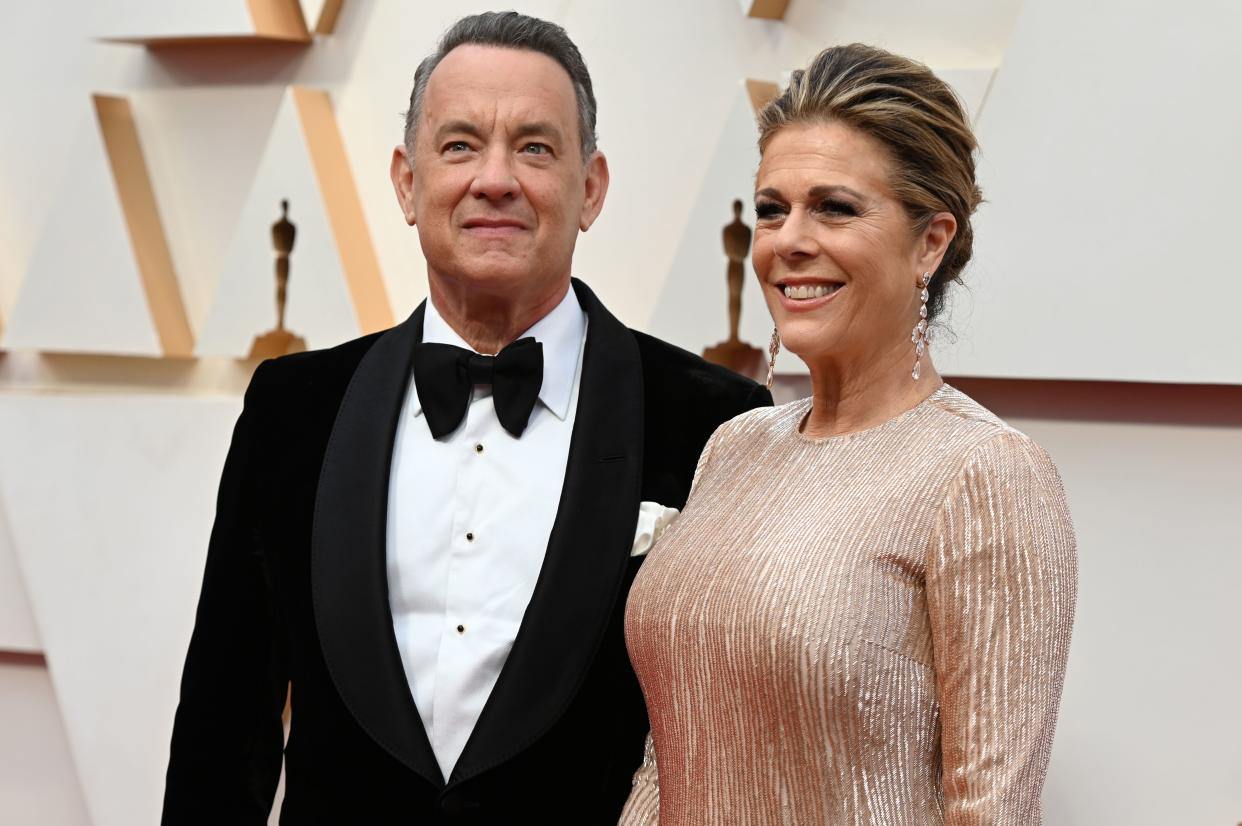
[920, 334]
[774, 347]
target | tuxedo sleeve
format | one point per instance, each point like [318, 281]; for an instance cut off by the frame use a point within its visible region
[228, 739]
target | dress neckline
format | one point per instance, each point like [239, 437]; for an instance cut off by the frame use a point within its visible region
[941, 391]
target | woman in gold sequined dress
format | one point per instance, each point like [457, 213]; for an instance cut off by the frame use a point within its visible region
[863, 615]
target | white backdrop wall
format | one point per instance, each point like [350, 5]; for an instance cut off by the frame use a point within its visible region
[666, 75]
[107, 465]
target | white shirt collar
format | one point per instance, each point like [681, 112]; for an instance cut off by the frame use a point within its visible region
[561, 332]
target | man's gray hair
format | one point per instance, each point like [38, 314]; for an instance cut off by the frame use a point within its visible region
[510, 30]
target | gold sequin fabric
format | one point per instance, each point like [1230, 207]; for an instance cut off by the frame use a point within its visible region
[866, 629]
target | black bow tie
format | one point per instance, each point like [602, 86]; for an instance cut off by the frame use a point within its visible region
[445, 377]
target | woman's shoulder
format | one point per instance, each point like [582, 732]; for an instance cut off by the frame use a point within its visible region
[751, 432]
[762, 422]
[988, 443]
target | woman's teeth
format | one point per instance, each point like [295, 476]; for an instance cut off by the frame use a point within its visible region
[805, 291]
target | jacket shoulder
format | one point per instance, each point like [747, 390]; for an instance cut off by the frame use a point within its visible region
[678, 374]
[312, 375]
[685, 400]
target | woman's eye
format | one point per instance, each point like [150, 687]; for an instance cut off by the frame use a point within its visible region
[767, 211]
[833, 207]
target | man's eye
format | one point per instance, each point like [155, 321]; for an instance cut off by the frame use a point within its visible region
[536, 149]
[457, 146]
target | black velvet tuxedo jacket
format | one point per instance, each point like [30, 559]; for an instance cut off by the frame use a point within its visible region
[295, 594]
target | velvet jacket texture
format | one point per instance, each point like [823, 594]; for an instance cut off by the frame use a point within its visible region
[295, 598]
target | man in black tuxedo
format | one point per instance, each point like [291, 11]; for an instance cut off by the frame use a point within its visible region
[431, 548]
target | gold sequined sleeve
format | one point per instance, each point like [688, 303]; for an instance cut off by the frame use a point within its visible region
[705, 457]
[643, 806]
[1001, 587]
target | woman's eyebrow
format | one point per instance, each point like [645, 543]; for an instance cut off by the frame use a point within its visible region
[824, 191]
[820, 191]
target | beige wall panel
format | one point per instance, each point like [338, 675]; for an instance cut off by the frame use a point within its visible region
[367, 64]
[68, 246]
[146, 229]
[38, 781]
[1148, 730]
[82, 290]
[18, 631]
[151, 22]
[1108, 246]
[320, 307]
[159, 19]
[110, 501]
[203, 145]
[340, 199]
[42, 170]
[8, 256]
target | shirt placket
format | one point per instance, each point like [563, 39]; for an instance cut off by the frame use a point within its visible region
[455, 658]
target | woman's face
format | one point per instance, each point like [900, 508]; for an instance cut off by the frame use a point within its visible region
[837, 257]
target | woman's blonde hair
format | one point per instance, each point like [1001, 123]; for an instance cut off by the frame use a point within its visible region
[921, 121]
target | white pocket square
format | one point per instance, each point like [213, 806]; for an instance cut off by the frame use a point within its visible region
[653, 520]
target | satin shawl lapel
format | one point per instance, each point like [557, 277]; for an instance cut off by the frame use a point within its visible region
[349, 574]
[588, 550]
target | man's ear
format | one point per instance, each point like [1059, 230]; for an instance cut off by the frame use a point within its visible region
[596, 189]
[402, 173]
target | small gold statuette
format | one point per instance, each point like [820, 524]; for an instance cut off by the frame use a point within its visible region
[734, 353]
[279, 342]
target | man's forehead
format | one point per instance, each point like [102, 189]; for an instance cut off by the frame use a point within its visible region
[501, 72]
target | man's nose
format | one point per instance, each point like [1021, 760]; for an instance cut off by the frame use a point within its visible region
[494, 179]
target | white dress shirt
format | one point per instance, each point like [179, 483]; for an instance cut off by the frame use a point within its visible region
[469, 518]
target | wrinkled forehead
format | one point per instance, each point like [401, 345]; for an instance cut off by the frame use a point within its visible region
[825, 153]
[491, 82]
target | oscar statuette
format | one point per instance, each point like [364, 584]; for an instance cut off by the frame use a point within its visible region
[734, 353]
[279, 341]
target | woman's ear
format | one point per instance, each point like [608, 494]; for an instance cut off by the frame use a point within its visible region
[939, 232]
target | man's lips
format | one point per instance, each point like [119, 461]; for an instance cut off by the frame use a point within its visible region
[494, 226]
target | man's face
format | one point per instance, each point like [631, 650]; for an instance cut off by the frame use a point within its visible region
[498, 188]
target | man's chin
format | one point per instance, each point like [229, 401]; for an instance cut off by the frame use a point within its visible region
[496, 276]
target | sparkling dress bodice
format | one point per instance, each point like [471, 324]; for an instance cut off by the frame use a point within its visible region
[866, 629]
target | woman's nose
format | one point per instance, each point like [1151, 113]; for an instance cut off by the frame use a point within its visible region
[793, 239]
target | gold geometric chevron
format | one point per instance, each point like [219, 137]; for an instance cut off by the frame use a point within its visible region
[344, 209]
[146, 231]
[328, 15]
[761, 93]
[766, 9]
